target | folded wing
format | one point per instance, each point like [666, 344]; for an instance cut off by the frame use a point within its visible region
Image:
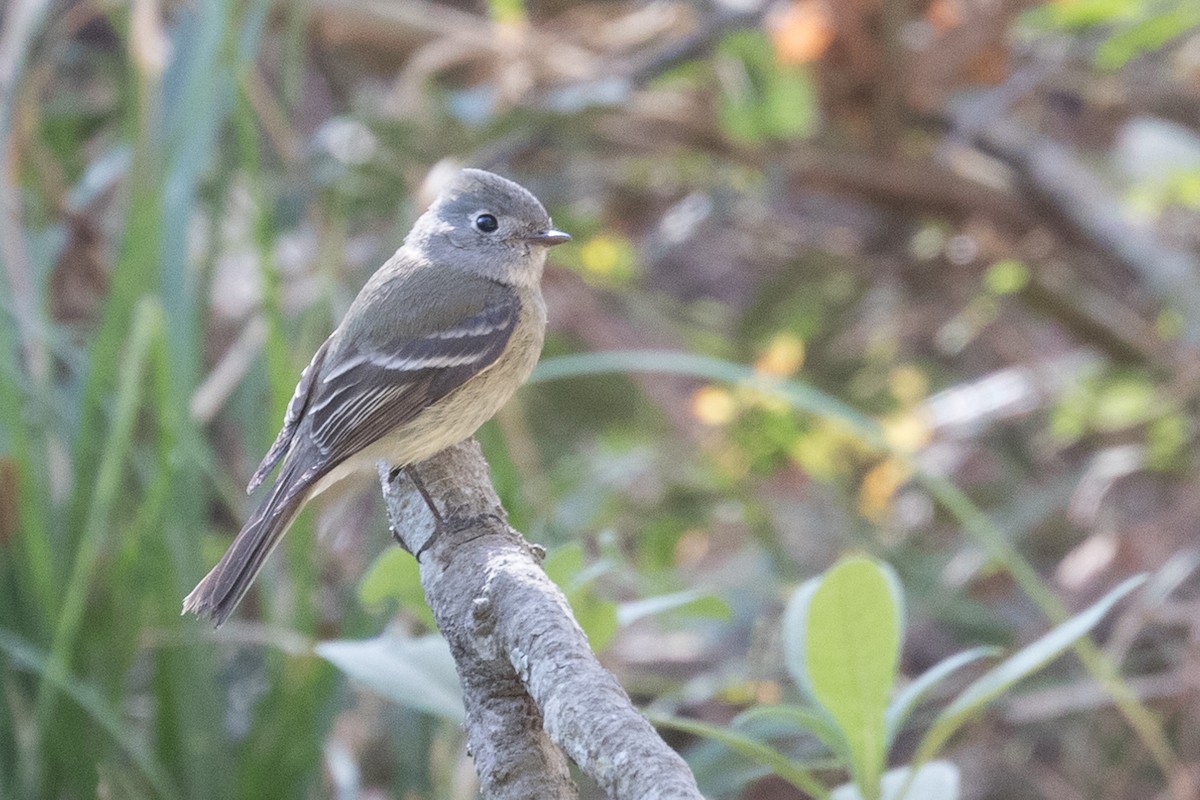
[368, 393]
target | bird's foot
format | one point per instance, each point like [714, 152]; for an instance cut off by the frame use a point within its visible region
[457, 524]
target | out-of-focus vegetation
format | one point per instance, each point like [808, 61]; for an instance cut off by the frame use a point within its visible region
[843, 634]
[929, 272]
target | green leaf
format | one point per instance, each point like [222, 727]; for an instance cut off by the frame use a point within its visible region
[1018, 666]
[597, 616]
[789, 103]
[907, 699]
[1007, 276]
[815, 721]
[852, 639]
[937, 780]
[756, 751]
[507, 12]
[395, 575]
[417, 673]
[761, 98]
[1081, 14]
[795, 624]
[1153, 32]
[1127, 401]
[562, 564]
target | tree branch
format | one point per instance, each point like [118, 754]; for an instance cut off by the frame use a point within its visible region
[529, 679]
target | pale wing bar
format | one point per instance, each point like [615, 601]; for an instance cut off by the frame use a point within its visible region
[358, 401]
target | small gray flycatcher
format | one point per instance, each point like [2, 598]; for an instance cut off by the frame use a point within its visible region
[435, 343]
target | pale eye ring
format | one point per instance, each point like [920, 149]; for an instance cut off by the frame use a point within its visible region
[486, 223]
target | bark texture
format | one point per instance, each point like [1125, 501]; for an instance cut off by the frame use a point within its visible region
[531, 683]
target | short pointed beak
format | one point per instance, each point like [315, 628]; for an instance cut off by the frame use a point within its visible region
[549, 238]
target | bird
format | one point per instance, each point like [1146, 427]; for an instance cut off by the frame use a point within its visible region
[437, 340]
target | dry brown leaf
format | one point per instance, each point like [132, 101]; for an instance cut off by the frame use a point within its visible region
[991, 66]
[78, 282]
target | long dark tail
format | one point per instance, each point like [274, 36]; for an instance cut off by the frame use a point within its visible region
[216, 596]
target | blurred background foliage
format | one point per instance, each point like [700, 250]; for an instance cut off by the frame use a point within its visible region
[975, 225]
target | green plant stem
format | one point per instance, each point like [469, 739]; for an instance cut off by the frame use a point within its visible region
[147, 325]
[975, 523]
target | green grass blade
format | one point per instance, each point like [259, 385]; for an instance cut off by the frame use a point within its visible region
[33, 573]
[27, 657]
[907, 699]
[814, 721]
[984, 530]
[752, 749]
[131, 383]
[1017, 667]
[19, 32]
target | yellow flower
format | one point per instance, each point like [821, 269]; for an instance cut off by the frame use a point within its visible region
[607, 256]
[782, 356]
[878, 487]
[713, 405]
[907, 432]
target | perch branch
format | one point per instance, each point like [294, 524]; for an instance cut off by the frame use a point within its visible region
[529, 679]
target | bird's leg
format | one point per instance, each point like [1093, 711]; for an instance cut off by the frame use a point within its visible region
[438, 521]
[417, 482]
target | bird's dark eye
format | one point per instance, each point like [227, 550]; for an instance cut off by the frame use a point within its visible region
[486, 223]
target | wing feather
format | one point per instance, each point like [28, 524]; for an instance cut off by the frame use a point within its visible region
[291, 418]
[368, 393]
